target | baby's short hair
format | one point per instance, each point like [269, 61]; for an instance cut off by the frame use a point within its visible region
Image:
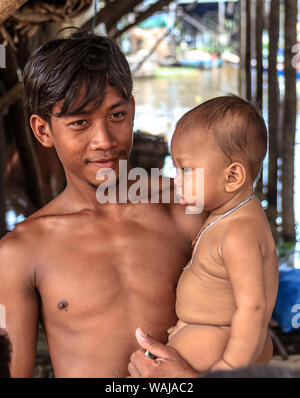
[236, 126]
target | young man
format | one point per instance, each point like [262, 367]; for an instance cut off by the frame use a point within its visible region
[90, 272]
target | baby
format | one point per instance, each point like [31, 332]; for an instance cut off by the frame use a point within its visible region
[226, 293]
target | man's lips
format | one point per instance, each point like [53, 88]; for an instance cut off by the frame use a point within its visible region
[104, 162]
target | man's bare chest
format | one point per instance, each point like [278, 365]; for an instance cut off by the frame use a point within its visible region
[83, 273]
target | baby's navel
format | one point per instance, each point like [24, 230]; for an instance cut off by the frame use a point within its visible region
[62, 305]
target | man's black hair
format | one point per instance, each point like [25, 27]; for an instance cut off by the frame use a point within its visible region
[61, 68]
[5, 355]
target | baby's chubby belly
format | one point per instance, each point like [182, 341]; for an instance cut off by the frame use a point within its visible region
[204, 298]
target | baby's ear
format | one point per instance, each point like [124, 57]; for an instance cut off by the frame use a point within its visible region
[235, 177]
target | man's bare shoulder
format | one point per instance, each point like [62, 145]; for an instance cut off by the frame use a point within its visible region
[16, 256]
[23, 240]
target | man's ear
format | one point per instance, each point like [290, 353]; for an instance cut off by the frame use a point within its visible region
[41, 130]
[235, 177]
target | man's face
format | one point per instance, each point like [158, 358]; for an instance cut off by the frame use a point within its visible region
[88, 142]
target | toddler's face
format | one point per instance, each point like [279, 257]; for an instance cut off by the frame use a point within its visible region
[200, 170]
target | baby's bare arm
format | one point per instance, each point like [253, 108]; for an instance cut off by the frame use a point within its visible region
[242, 257]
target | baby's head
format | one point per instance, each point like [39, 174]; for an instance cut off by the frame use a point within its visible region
[227, 137]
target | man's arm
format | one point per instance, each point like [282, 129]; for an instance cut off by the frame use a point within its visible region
[20, 302]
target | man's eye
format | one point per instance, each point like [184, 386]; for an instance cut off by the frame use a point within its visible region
[117, 115]
[78, 123]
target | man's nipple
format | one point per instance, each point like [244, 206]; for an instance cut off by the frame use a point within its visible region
[63, 305]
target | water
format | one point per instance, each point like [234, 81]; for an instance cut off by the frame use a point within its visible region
[161, 101]
[12, 219]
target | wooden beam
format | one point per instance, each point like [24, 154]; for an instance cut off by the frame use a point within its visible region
[112, 11]
[112, 22]
[143, 15]
[8, 7]
[137, 68]
[11, 96]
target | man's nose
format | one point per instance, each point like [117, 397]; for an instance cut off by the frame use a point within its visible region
[102, 138]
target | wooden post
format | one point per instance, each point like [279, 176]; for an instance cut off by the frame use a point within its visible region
[221, 16]
[259, 56]
[8, 7]
[248, 52]
[2, 180]
[289, 122]
[258, 31]
[273, 114]
[23, 139]
[242, 71]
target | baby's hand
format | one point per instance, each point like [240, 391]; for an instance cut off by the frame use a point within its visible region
[221, 365]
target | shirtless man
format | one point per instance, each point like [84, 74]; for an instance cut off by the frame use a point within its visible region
[90, 272]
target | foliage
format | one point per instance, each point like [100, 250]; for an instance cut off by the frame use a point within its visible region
[284, 248]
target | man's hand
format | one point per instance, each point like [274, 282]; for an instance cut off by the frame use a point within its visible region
[168, 363]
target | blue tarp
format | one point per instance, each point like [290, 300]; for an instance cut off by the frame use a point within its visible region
[287, 307]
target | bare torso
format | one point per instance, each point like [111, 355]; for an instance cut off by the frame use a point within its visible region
[99, 277]
[204, 293]
[93, 277]
[205, 302]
